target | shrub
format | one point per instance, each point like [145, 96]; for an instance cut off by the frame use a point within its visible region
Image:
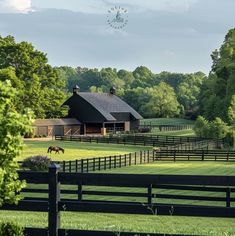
[202, 127]
[144, 130]
[11, 229]
[37, 163]
[29, 135]
[230, 138]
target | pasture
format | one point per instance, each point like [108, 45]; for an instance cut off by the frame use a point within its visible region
[169, 121]
[133, 223]
[166, 121]
[75, 150]
[180, 168]
[141, 223]
[126, 222]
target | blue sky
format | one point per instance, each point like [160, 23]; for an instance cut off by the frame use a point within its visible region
[164, 35]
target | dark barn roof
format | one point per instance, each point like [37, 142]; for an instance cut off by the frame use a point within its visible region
[54, 122]
[108, 105]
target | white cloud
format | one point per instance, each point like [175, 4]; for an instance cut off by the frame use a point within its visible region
[101, 6]
[15, 6]
[157, 5]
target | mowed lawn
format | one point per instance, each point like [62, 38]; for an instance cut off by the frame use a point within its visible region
[141, 223]
[170, 121]
[76, 150]
[131, 223]
[180, 168]
[166, 121]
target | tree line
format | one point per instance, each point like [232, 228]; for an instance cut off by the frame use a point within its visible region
[152, 95]
[43, 88]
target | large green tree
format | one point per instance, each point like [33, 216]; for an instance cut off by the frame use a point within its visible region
[38, 84]
[12, 126]
[220, 86]
[162, 102]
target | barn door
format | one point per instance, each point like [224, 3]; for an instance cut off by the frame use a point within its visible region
[59, 130]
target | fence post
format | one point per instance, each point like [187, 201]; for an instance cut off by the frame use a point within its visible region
[202, 155]
[148, 155]
[76, 167]
[129, 159]
[150, 194]
[140, 157]
[81, 165]
[87, 165]
[135, 158]
[54, 198]
[228, 191]
[115, 161]
[80, 192]
[125, 159]
[120, 161]
[110, 162]
[105, 159]
[64, 163]
[93, 164]
[99, 163]
[70, 166]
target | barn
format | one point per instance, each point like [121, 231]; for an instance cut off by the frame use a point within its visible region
[51, 127]
[101, 112]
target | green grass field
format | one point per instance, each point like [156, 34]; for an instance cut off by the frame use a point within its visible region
[184, 132]
[167, 121]
[76, 150]
[133, 223]
[141, 223]
[180, 168]
[125, 222]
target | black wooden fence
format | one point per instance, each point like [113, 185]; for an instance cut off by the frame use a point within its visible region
[166, 127]
[157, 194]
[105, 163]
[174, 142]
[142, 157]
[149, 156]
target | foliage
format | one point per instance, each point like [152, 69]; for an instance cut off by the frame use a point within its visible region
[220, 87]
[231, 111]
[144, 130]
[201, 127]
[136, 87]
[218, 129]
[37, 163]
[230, 138]
[11, 229]
[162, 102]
[39, 86]
[12, 126]
[214, 129]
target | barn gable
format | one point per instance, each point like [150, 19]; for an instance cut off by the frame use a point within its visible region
[102, 111]
[98, 107]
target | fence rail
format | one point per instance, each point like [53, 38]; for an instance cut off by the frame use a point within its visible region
[166, 127]
[142, 157]
[145, 194]
[105, 163]
[174, 142]
[112, 162]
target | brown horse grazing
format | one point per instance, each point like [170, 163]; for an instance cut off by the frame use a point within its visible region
[55, 149]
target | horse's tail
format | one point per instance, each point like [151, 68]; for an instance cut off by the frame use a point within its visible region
[62, 150]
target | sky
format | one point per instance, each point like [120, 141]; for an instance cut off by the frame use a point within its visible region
[164, 35]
